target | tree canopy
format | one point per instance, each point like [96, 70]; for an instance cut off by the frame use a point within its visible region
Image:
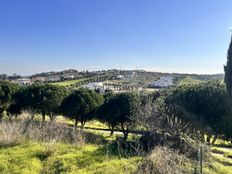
[120, 110]
[40, 98]
[80, 105]
[203, 105]
[7, 90]
[228, 70]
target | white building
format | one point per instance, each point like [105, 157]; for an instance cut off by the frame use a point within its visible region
[164, 81]
[23, 81]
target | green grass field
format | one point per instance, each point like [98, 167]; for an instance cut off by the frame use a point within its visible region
[188, 80]
[69, 82]
[221, 159]
[34, 158]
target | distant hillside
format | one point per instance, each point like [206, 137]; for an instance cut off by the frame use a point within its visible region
[180, 79]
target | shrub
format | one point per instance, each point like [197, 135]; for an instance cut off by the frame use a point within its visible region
[163, 160]
[13, 132]
[10, 133]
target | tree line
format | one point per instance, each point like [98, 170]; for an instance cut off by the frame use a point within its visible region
[197, 110]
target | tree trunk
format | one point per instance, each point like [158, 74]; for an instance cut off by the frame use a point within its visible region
[75, 124]
[82, 125]
[208, 138]
[111, 128]
[214, 139]
[43, 117]
[1, 113]
[52, 117]
[111, 132]
[125, 132]
[32, 116]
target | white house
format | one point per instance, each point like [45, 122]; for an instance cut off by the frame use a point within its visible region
[163, 82]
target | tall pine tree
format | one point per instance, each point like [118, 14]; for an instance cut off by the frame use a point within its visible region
[228, 70]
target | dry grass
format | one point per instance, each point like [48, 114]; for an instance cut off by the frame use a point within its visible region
[14, 132]
[10, 133]
[164, 160]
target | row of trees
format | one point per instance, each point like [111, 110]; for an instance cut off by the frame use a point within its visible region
[192, 109]
[80, 105]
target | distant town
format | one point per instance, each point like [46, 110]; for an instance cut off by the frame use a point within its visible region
[115, 80]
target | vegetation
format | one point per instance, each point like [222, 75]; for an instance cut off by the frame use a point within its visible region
[80, 105]
[228, 70]
[119, 110]
[203, 106]
[39, 98]
[69, 82]
[168, 131]
[7, 90]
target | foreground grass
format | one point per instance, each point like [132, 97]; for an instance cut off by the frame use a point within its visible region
[33, 158]
[221, 160]
[218, 165]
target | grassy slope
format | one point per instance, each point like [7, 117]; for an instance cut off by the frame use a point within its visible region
[188, 80]
[35, 158]
[69, 82]
[221, 160]
[218, 165]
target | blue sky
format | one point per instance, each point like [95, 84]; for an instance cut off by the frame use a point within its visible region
[158, 35]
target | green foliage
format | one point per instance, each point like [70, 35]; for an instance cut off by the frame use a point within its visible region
[228, 70]
[40, 98]
[120, 110]
[204, 103]
[7, 90]
[81, 104]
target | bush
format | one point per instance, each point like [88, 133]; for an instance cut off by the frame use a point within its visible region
[13, 132]
[10, 133]
[163, 160]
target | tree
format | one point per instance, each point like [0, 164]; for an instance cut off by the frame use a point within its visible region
[121, 110]
[106, 113]
[228, 70]
[40, 98]
[52, 99]
[203, 105]
[14, 110]
[80, 105]
[7, 90]
[228, 82]
[27, 99]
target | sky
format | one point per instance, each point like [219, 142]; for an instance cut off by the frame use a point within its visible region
[155, 35]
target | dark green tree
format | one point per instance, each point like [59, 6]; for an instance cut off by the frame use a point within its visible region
[7, 90]
[51, 100]
[14, 110]
[120, 110]
[105, 112]
[203, 105]
[228, 82]
[44, 99]
[228, 70]
[81, 105]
